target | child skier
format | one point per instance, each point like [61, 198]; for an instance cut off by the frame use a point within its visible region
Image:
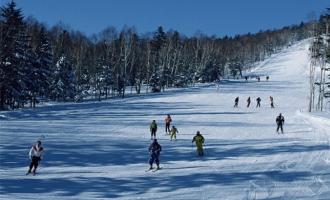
[168, 121]
[199, 140]
[35, 156]
[153, 129]
[174, 131]
[154, 150]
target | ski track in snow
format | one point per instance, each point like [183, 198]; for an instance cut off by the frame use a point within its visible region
[98, 150]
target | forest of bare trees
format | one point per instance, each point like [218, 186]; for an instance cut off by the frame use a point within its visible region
[40, 63]
[320, 64]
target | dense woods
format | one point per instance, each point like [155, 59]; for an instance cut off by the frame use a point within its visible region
[40, 63]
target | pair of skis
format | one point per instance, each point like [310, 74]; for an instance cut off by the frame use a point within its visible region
[153, 169]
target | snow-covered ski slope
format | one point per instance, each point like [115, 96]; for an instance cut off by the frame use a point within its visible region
[98, 150]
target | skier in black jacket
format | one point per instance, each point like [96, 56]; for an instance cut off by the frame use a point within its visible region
[279, 122]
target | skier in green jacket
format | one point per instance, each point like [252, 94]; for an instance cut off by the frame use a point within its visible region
[153, 129]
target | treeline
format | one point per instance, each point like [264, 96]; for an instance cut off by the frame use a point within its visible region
[320, 64]
[61, 64]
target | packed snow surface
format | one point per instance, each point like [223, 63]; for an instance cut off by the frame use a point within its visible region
[99, 150]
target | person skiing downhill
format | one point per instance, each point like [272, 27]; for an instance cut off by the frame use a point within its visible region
[236, 102]
[258, 102]
[153, 129]
[279, 122]
[174, 131]
[271, 101]
[199, 140]
[35, 155]
[154, 150]
[168, 121]
[248, 102]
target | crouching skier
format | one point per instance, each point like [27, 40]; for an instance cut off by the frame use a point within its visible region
[35, 156]
[154, 150]
[199, 140]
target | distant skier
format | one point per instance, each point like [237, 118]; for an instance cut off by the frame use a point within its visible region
[168, 121]
[35, 156]
[279, 122]
[154, 150]
[258, 102]
[236, 102]
[174, 131]
[258, 78]
[153, 129]
[267, 78]
[246, 78]
[199, 140]
[271, 101]
[248, 102]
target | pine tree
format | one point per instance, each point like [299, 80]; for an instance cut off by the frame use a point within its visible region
[63, 84]
[12, 55]
[43, 66]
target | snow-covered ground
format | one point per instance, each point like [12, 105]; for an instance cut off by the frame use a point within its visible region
[98, 150]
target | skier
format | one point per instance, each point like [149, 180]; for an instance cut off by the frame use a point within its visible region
[174, 131]
[199, 140]
[236, 102]
[248, 102]
[267, 78]
[258, 102]
[35, 156]
[153, 129]
[154, 150]
[168, 121]
[258, 79]
[271, 101]
[279, 122]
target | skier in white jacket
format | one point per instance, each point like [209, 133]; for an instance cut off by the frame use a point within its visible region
[35, 156]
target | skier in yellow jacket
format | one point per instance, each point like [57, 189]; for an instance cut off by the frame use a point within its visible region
[199, 140]
[174, 131]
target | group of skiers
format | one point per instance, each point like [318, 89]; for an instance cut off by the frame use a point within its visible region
[258, 100]
[172, 132]
[36, 151]
[155, 148]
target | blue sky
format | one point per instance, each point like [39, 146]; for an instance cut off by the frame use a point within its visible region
[213, 17]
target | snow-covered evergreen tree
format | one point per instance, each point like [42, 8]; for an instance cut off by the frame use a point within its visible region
[14, 57]
[43, 65]
[63, 83]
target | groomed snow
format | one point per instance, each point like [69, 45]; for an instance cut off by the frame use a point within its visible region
[98, 150]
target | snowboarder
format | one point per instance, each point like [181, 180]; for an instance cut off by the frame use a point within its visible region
[174, 131]
[279, 122]
[271, 101]
[153, 129]
[154, 150]
[35, 156]
[199, 140]
[236, 102]
[168, 121]
[248, 102]
[258, 102]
